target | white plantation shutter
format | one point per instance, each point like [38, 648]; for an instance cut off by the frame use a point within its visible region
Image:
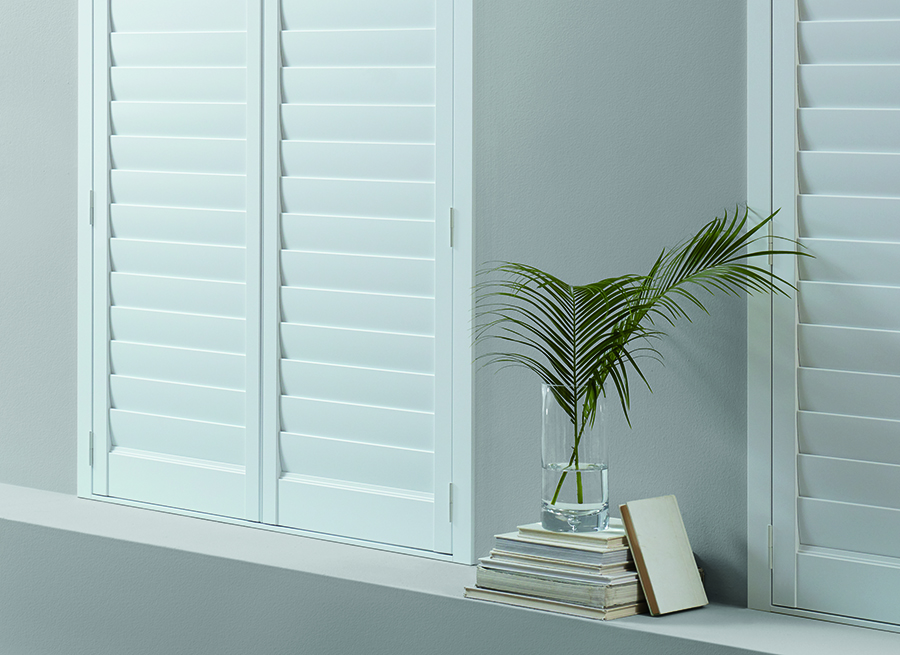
[272, 262]
[363, 329]
[837, 532]
[173, 419]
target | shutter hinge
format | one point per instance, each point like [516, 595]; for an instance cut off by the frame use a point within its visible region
[91, 214]
[771, 549]
[771, 244]
[91, 449]
[451, 227]
[450, 503]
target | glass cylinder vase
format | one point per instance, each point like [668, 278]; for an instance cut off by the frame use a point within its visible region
[575, 490]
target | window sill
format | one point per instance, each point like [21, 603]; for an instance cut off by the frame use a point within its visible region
[715, 625]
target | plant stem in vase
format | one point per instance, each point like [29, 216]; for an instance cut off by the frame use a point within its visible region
[573, 442]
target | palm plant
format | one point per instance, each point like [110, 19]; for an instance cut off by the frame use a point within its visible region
[582, 339]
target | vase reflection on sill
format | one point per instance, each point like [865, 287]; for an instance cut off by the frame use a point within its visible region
[575, 488]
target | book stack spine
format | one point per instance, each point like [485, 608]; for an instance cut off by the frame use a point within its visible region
[589, 575]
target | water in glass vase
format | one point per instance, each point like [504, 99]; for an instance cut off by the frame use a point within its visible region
[566, 513]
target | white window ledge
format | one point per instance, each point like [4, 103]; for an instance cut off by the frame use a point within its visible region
[716, 624]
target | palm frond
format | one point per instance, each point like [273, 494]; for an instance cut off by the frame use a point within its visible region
[583, 339]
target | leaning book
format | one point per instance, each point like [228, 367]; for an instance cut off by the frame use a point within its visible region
[559, 607]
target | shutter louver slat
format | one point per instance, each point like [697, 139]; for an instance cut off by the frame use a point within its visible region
[875, 440]
[374, 274]
[850, 174]
[864, 529]
[373, 464]
[377, 124]
[849, 42]
[361, 161]
[849, 305]
[381, 350]
[173, 84]
[360, 86]
[178, 224]
[178, 15]
[188, 190]
[849, 130]
[825, 217]
[845, 392]
[357, 385]
[852, 262]
[178, 330]
[225, 120]
[179, 437]
[848, 86]
[409, 47]
[830, 478]
[178, 49]
[849, 349]
[389, 427]
[180, 154]
[360, 311]
[357, 15]
[170, 294]
[363, 198]
[843, 10]
[358, 236]
[190, 401]
[184, 260]
[201, 367]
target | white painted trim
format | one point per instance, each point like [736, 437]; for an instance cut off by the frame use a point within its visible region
[84, 391]
[444, 274]
[463, 280]
[759, 308]
[253, 268]
[101, 267]
[271, 311]
[265, 527]
[784, 309]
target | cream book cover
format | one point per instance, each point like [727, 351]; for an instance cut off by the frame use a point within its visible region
[662, 555]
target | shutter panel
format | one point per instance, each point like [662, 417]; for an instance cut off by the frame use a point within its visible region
[845, 519]
[363, 324]
[175, 365]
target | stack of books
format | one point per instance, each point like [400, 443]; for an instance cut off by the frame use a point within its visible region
[585, 574]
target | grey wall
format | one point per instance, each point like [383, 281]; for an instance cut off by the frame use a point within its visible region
[604, 131]
[37, 243]
[85, 595]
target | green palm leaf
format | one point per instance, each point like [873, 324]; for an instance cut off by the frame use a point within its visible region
[584, 340]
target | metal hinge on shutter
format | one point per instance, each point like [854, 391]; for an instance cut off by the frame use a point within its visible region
[451, 227]
[771, 549]
[91, 213]
[91, 449]
[450, 503]
[771, 243]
